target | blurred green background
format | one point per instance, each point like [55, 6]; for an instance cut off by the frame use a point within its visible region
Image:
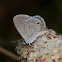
[50, 10]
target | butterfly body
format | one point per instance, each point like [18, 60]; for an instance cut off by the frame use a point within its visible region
[29, 27]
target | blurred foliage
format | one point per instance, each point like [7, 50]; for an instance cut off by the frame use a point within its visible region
[50, 10]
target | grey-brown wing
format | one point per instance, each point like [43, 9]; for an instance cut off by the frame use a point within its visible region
[19, 22]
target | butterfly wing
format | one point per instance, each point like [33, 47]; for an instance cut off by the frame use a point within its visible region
[19, 22]
[43, 27]
[33, 29]
[29, 27]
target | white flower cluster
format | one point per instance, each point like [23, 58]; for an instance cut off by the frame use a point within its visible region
[47, 48]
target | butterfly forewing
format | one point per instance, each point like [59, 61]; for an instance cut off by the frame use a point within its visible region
[19, 22]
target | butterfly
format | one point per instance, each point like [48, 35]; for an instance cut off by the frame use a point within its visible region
[29, 27]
